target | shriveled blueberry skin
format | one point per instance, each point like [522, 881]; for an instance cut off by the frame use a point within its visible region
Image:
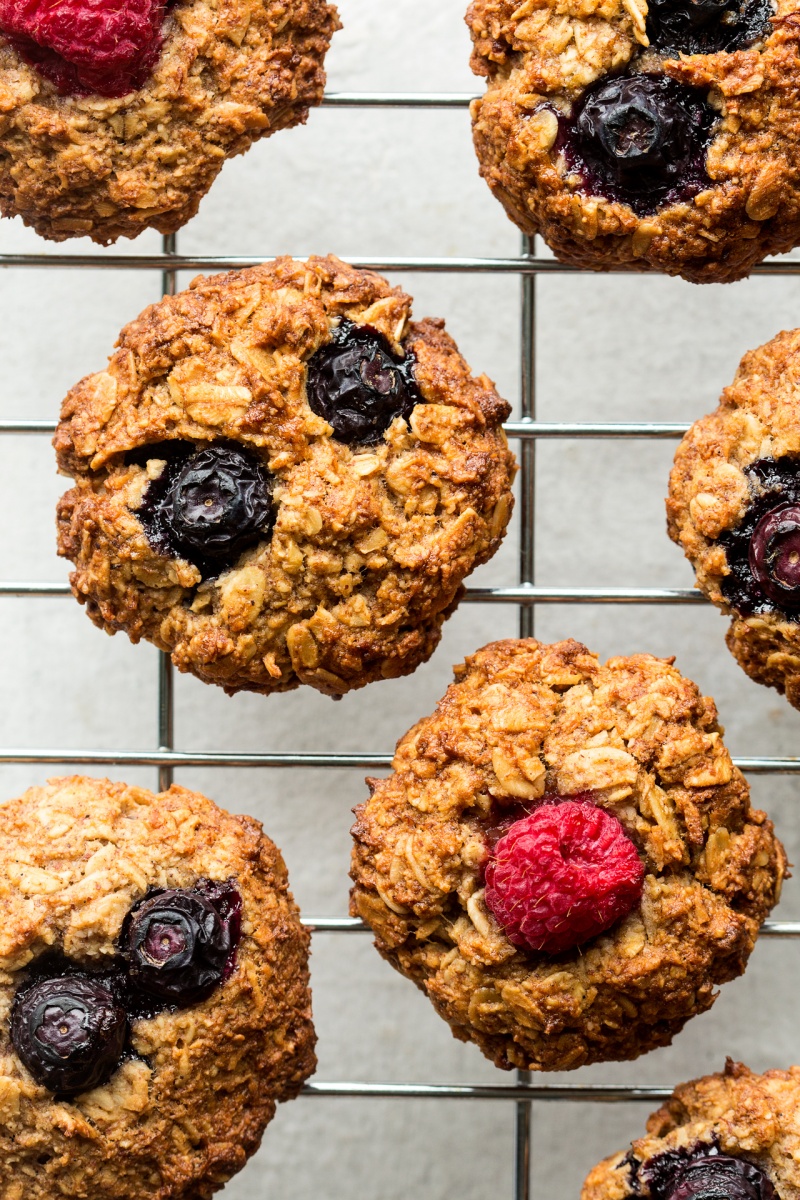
[763, 552]
[639, 139]
[180, 944]
[705, 1174]
[359, 386]
[208, 506]
[706, 26]
[69, 1032]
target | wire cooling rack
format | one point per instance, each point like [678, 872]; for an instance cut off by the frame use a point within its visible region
[527, 431]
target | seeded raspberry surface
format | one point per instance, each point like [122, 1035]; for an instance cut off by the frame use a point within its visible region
[107, 47]
[563, 875]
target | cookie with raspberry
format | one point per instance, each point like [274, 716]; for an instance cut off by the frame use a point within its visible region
[565, 858]
[732, 1135]
[154, 998]
[117, 117]
[734, 508]
[281, 479]
[643, 136]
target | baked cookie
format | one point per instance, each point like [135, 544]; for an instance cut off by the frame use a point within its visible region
[734, 1136]
[734, 507]
[154, 1000]
[565, 859]
[281, 479]
[635, 135]
[115, 118]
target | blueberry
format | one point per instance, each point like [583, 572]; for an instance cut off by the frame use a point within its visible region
[706, 26]
[705, 1174]
[208, 506]
[640, 139]
[775, 554]
[69, 1032]
[763, 552]
[359, 386]
[180, 943]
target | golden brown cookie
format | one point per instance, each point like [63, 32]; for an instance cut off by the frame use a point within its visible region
[736, 1134]
[733, 507]
[565, 858]
[638, 135]
[76, 162]
[281, 479]
[154, 978]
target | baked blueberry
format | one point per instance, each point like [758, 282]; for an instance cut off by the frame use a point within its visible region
[730, 1136]
[706, 26]
[705, 1174]
[641, 139]
[209, 507]
[177, 946]
[69, 1032]
[359, 386]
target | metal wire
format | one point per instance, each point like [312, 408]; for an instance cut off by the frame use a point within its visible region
[527, 594]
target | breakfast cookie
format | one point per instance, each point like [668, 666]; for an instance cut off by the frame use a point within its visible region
[636, 135]
[154, 1000]
[734, 1136]
[734, 507]
[281, 479]
[565, 858]
[119, 117]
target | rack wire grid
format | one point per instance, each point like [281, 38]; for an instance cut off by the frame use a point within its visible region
[526, 432]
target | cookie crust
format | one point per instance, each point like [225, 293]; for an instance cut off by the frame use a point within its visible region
[758, 417]
[179, 1121]
[523, 720]
[539, 57]
[749, 1116]
[370, 545]
[228, 74]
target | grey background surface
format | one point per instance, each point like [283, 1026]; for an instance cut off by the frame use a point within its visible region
[371, 183]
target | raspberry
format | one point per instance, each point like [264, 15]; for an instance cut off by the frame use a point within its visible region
[562, 875]
[85, 47]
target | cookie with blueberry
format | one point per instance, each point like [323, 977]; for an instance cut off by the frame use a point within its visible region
[734, 508]
[636, 135]
[280, 478]
[118, 117]
[565, 859]
[154, 999]
[731, 1136]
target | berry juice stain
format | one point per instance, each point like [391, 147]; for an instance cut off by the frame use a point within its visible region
[763, 552]
[640, 140]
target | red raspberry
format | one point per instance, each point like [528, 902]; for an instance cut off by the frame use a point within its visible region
[562, 875]
[86, 47]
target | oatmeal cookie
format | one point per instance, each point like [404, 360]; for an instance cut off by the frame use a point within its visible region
[154, 1000]
[734, 508]
[636, 135]
[115, 119]
[281, 479]
[565, 858]
[736, 1134]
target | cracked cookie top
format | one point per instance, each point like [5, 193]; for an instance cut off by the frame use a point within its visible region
[734, 1134]
[280, 478]
[640, 134]
[116, 118]
[152, 968]
[565, 858]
